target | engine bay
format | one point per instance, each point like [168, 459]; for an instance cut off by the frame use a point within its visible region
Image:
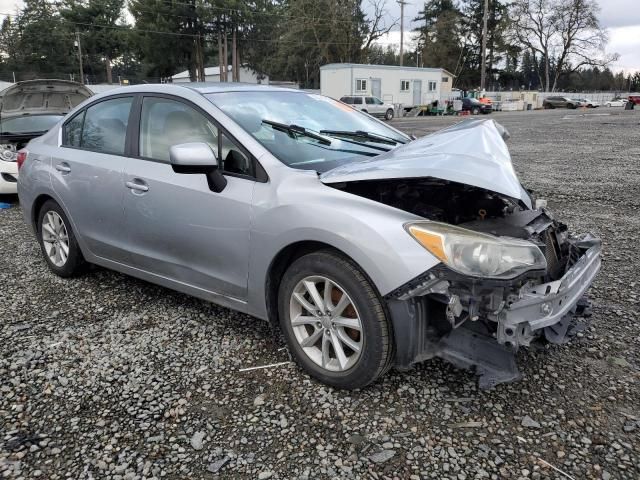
[435, 199]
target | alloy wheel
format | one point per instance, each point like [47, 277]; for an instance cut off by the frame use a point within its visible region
[326, 323]
[55, 238]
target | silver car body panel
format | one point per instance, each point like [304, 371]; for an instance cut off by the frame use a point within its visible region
[471, 153]
[260, 219]
[220, 247]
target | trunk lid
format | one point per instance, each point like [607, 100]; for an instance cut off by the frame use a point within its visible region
[472, 153]
[34, 97]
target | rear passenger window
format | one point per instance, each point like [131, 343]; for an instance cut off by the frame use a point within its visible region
[73, 131]
[357, 100]
[105, 126]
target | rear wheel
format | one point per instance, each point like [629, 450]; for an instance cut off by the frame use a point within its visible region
[334, 322]
[57, 241]
[388, 115]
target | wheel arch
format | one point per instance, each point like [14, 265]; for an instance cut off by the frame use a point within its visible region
[37, 206]
[284, 258]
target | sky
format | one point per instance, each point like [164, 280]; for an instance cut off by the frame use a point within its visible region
[620, 17]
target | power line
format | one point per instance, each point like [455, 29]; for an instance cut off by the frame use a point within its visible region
[177, 34]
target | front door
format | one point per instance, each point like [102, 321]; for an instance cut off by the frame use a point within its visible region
[177, 227]
[417, 92]
[88, 174]
[376, 87]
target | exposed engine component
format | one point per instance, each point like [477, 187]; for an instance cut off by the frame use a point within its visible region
[9, 151]
[435, 199]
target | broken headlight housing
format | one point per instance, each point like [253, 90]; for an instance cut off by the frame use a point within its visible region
[477, 254]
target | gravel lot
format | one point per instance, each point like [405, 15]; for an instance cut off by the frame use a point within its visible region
[105, 376]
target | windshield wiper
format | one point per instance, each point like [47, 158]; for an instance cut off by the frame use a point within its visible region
[293, 130]
[372, 137]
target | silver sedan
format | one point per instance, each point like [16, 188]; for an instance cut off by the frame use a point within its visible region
[368, 248]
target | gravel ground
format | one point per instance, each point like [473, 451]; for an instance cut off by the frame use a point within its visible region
[105, 376]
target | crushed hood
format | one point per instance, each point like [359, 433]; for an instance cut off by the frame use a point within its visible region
[34, 97]
[472, 153]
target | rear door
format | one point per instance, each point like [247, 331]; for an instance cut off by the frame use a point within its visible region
[87, 174]
[177, 227]
[372, 106]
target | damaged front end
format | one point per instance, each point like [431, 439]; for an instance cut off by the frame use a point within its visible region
[480, 322]
[509, 273]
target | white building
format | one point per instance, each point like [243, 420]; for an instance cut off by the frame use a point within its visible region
[408, 86]
[212, 74]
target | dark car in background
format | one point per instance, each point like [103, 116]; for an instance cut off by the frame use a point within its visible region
[28, 110]
[475, 106]
[560, 102]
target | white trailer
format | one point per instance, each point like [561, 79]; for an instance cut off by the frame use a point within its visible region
[407, 86]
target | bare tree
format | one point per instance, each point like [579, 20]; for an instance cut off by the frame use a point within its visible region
[378, 24]
[562, 35]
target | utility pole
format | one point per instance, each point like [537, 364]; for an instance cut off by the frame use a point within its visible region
[79, 56]
[483, 67]
[402, 3]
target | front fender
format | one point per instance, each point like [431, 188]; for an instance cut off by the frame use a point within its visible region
[304, 209]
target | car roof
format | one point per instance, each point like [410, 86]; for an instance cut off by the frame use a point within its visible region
[202, 87]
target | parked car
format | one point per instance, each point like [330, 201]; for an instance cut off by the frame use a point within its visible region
[371, 105]
[28, 110]
[475, 106]
[560, 102]
[616, 102]
[584, 102]
[368, 249]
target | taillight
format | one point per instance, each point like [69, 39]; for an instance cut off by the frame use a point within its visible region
[22, 156]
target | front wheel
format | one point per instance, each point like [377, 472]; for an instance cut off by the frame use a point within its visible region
[57, 241]
[388, 115]
[334, 322]
[475, 111]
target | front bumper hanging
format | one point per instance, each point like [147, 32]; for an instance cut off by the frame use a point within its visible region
[534, 311]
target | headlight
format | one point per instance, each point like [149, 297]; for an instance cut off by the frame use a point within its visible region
[477, 254]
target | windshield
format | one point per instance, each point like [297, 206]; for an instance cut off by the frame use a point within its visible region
[28, 124]
[318, 140]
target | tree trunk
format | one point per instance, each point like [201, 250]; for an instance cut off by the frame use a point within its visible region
[234, 46]
[107, 62]
[220, 55]
[546, 73]
[201, 73]
[225, 59]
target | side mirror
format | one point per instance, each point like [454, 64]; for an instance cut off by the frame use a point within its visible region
[197, 158]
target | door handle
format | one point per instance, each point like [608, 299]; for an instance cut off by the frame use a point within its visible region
[137, 186]
[63, 167]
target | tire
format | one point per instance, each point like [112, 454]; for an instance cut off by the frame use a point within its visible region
[572, 106]
[475, 111]
[363, 306]
[62, 264]
[388, 115]
[364, 111]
